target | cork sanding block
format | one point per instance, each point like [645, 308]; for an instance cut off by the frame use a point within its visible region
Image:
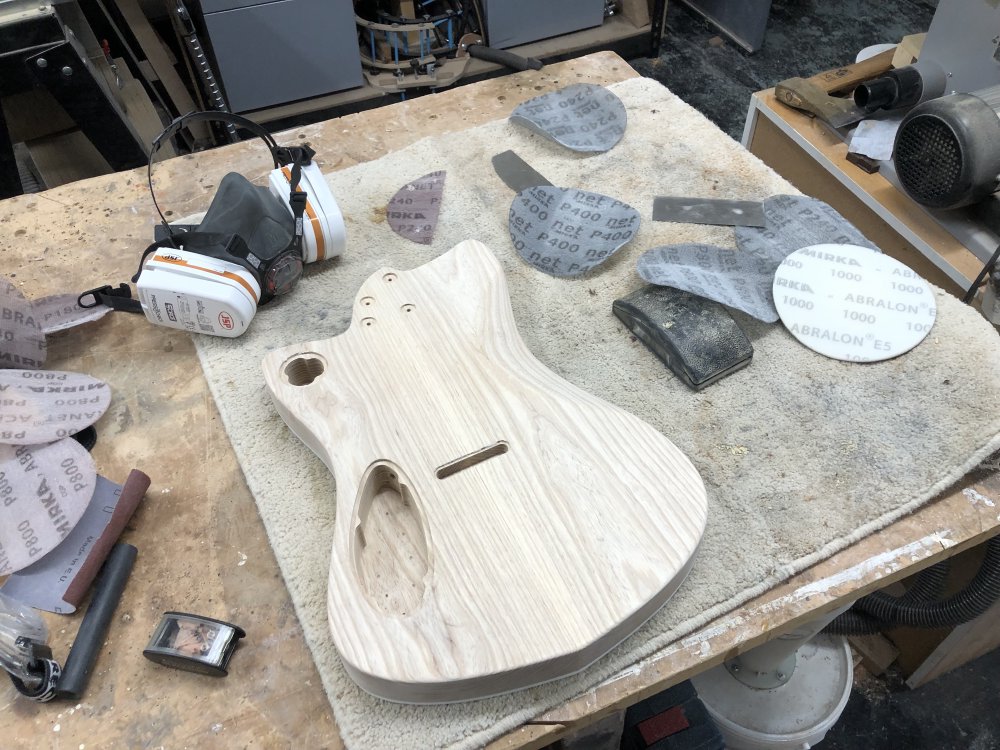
[496, 526]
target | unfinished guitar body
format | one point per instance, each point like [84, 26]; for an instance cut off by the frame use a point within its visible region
[496, 526]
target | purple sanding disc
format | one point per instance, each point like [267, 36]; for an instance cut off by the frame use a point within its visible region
[413, 210]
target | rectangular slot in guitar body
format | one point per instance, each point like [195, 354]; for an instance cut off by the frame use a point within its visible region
[471, 459]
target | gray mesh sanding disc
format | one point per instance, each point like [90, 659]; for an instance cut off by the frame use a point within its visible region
[581, 117]
[732, 277]
[794, 221]
[413, 210]
[567, 232]
[44, 490]
[39, 406]
[60, 312]
[22, 343]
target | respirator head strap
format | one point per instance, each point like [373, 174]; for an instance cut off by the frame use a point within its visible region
[119, 298]
[192, 117]
[297, 156]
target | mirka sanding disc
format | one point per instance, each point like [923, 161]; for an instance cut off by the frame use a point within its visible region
[44, 491]
[39, 406]
[853, 303]
[567, 232]
[413, 211]
[581, 117]
[60, 312]
[22, 343]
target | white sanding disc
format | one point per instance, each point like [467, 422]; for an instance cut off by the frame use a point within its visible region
[39, 406]
[44, 490]
[60, 312]
[853, 303]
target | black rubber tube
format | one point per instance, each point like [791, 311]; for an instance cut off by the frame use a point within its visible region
[914, 610]
[978, 596]
[89, 639]
[926, 587]
[503, 57]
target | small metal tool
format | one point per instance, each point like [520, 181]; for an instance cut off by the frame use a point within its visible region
[716, 211]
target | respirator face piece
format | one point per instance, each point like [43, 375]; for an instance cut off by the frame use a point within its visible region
[250, 246]
[249, 226]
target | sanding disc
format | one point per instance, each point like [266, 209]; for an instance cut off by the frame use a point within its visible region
[567, 232]
[413, 210]
[44, 491]
[794, 221]
[39, 406]
[22, 343]
[581, 117]
[852, 303]
[734, 278]
[60, 312]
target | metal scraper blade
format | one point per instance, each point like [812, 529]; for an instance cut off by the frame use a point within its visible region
[715, 211]
[516, 173]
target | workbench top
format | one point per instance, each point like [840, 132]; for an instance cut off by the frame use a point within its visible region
[202, 546]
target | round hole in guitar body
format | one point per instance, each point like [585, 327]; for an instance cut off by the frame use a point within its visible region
[304, 369]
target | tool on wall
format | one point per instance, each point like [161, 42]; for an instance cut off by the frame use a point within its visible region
[248, 249]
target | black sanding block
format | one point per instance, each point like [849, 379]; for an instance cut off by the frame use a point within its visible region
[695, 337]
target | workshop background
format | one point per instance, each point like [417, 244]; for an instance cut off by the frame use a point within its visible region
[716, 76]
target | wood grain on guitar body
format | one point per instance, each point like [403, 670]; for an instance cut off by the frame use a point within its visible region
[497, 527]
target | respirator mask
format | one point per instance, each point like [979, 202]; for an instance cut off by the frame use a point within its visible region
[249, 248]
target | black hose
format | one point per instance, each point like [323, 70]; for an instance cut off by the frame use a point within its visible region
[977, 597]
[927, 586]
[853, 622]
[503, 57]
[917, 607]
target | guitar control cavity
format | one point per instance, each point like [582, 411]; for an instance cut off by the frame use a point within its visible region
[390, 545]
[303, 369]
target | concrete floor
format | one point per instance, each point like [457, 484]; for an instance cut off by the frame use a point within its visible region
[959, 710]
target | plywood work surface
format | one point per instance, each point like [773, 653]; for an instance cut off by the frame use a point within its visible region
[202, 546]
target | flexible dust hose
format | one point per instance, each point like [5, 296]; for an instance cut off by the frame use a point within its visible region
[927, 586]
[503, 57]
[969, 603]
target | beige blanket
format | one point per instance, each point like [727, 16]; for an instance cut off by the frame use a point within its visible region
[801, 455]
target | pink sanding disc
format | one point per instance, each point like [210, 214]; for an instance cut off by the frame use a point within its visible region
[39, 406]
[22, 343]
